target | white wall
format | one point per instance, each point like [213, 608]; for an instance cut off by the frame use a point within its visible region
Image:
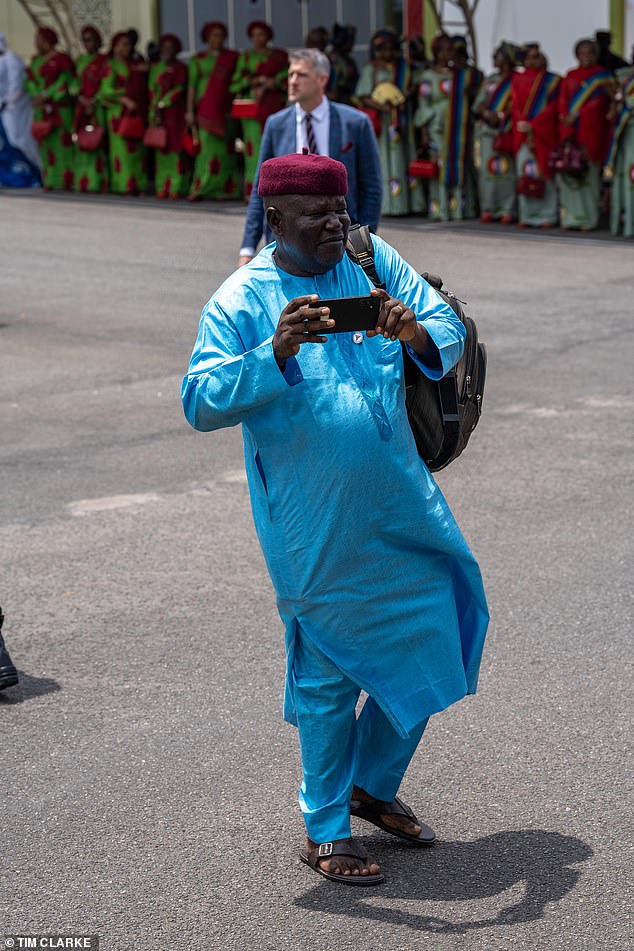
[629, 28]
[555, 24]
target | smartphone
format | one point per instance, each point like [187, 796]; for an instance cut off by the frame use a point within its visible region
[350, 313]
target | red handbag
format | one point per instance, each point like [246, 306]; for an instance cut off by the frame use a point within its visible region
[569, 159]
[423, 168]
[244, 109]
[191, 144]
[130, 127]
[530, 187]
[90, 138]
[155, 137]
[42, 130]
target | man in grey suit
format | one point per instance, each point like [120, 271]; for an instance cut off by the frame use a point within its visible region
[315, 123]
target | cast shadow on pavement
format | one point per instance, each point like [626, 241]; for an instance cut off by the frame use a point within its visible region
[535, 860]
[27, 688]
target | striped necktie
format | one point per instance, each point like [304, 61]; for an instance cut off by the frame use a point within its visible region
[310, 135]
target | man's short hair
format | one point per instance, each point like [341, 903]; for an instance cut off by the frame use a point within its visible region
[318, 61]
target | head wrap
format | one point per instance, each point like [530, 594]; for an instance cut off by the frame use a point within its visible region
[121, 35]
[510, 50]
[343, 34]
[209, 26]
[437, 42]
[90, 30]
[3, 43]
[171, 38]
[302, 175]
[385, 34]
[260, 24]
[48, 35]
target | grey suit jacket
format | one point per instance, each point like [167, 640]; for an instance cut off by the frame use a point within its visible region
[352, 141]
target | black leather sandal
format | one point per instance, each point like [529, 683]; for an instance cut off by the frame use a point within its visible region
[372, 812]
[346, 847]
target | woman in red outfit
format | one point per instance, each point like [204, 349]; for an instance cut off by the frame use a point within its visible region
[167, 85]
[586, 100]
[49, 81]
[91, 173]
[534, 95]
[123, 93]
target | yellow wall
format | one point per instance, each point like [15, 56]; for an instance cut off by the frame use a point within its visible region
[141, 14]
[17, 27]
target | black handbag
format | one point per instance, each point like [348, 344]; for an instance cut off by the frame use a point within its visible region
[442, 413]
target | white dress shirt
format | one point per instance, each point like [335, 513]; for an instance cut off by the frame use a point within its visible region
[320, 117]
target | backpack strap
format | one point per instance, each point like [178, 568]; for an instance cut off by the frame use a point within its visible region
[361, 250]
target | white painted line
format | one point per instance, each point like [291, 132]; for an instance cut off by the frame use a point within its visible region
[111, 502]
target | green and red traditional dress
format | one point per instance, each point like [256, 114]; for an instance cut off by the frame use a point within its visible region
[215, 171]
[495, 160]
[127, 158]
[585, 95]
[620, 163]
[91, 168]
[251, 65]
[535, 100]
[167, 85]
[51, 75]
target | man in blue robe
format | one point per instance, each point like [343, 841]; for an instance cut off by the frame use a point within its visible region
[375, 584]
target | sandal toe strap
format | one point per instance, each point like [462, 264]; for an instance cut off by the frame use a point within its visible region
[329, 850]
[398, 808]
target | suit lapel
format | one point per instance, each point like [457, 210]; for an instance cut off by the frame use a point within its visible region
[288, 142]
[334, 138]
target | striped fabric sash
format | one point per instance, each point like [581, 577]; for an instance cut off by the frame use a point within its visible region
[456, 131]
[541, 94]
[619, 128]
[500, 102]
[501, 97]
[590, 90]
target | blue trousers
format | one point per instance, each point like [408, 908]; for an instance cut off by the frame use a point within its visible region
[338, 749]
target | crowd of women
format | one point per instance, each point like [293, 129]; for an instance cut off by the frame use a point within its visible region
[520, 145]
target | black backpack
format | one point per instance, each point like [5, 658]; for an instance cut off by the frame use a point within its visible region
[442, 413]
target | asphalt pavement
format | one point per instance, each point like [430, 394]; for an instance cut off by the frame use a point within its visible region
[148, 783]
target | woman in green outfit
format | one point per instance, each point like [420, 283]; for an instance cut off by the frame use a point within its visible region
[123, 93]
[446, 95]
[619, 168]
[260, 76]
[167, 84]
[91, 165]
[48, 81]
[384, 90]
[494, 140]
[208, 106]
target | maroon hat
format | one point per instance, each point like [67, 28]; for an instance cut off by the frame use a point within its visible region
[260, 25]
[48, 35]
[89, 30]
[302, 175]
[171, 38]
[209, 26]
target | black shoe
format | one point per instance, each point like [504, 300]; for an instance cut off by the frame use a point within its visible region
[8, 673]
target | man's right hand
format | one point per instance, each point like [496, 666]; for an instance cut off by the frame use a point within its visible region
[244, 259]
[298, 324]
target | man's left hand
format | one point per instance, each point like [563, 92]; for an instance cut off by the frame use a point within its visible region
[397, 321]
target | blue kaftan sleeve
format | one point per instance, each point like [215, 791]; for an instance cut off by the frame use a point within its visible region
[445, 329]
[226, 382]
